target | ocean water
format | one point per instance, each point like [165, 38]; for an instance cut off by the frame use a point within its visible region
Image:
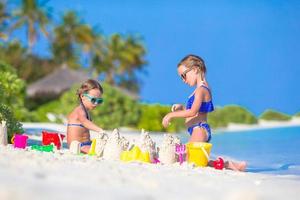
[275, 151]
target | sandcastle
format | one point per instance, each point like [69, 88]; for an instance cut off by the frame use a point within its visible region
[167, 151]
[146, 144]
[75, 147]
[111, 146]
[3, 133]
[101, 140]
[114, 146]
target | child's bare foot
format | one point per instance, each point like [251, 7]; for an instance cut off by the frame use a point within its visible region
[85, 149]
[240, 166]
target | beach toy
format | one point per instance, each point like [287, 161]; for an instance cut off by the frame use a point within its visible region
[46, 148]
[198, 153]
[52, 137]
[19, 141]
[218, 163]
[180, 151]
[135, 154]
[145, 157]
[75, 147]
[92, 148]
[155, 161]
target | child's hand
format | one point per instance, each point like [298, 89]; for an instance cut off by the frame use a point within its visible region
[176, 107]
[101, 131]
[166, 121]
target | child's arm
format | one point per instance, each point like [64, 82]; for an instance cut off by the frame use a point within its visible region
[186, 113]
[87, 123]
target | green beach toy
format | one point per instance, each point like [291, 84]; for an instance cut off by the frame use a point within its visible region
[45, 148]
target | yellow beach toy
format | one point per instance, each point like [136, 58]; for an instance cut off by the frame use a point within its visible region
[92, 150]
[135, 154]
[198, 153]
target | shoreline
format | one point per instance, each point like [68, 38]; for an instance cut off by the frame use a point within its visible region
[262, 124]
[232, 127]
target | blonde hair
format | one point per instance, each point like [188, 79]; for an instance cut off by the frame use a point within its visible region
[191, 61]
[89, 85]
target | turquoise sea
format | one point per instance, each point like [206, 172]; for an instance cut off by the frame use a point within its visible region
[275, 151]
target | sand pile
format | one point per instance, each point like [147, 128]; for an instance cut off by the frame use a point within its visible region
[146, 144]
[114, 146]
[167, 150]
[101, 140]
[3, 133]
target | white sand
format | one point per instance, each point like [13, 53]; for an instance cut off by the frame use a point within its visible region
[167, 153]
[36, 175]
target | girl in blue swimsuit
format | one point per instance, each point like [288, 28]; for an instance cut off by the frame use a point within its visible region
[79, 120]
[192, 71]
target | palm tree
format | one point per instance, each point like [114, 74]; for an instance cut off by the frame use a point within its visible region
[3, 18]
[35, 17]
[28, 67]
[122, 58]
[71, 38]
[133, 62]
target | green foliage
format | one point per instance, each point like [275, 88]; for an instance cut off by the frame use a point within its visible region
[13, 126]
[28, 67]
[71, 38]
[4, 16]
[297, 114]
[117, 110]
[274, 115]
[12, 92]
[151, 119]
[232, 113]
[118, 58]
[11, 98]
[121, 57]
[11, 87]
[51, 107]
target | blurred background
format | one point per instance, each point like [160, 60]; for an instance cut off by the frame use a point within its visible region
[48, 48]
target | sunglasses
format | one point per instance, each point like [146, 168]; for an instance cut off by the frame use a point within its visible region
[183, 75]
[93, 100]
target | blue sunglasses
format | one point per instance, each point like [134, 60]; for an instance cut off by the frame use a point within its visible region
[93, 100]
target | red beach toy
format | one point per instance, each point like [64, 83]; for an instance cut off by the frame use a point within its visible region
[52, 137]
[219, 163]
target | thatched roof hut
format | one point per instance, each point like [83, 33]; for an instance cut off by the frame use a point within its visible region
[57, 82]
[61, 80]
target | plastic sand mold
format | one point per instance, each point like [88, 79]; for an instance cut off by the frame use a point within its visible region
[135, 154]
[45, 148]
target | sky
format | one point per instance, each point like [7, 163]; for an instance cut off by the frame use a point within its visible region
[251, 48]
